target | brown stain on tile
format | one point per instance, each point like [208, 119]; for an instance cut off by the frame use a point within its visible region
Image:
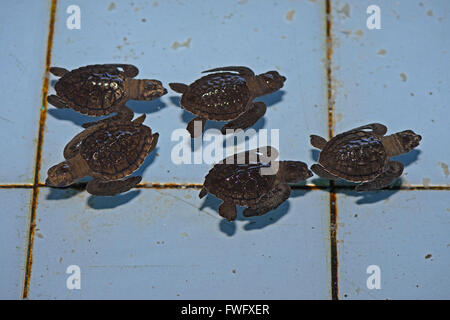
[444, 167]
[381, 52]
[290, 15]
[185, 44]
[111, 6]
[403, 76]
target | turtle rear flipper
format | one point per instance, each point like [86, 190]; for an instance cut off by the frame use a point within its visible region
[203, 193]
[269, 201]
[393, 170]
[100, 187]
[246, 119]
[179, 87]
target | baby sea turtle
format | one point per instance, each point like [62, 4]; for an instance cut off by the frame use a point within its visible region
[227, 96]
[108, 152]
[362, 155]
[101, 89]
[244, 183]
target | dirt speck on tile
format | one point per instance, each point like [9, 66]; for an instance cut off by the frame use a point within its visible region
[428, 256]
[143, 20]
[403, 76]
[155, 4]
[185, 44]
[429, 13]
[111, 6]
[242, 2]
[444, 167]
[290, 15]
[39, 235]
[359, 32]
[381, 52]
[234, 271]
[345, 10]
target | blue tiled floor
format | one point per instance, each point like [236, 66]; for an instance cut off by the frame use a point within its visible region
[167, 243]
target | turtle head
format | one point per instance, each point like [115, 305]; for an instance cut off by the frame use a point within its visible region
[271, 81]
[294, 171]
[60, 175]
[147, 89]
[407, 140]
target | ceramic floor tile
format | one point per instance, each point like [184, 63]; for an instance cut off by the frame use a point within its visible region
[199, 35]
[168, 244]
[23, 32]
[396, 75]
[405, 234]
[14, 225]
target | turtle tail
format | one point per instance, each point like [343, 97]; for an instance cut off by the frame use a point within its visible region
[178, 87]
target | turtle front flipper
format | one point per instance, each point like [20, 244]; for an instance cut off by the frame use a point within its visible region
[57, 71]
[228, 210]
[241, 70]
[178, 87]
[123, 114]
[246, 119]
[100, 187]
[129, 70]
[322, 172]
[378, 129]
[196, 123]
[317, 141]
[393, 170]
[269, 201]
[58, 102]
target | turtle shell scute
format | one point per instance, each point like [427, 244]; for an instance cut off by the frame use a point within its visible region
[355, 156]
[219, 96]
[241, 182]
[93, 89]
[116, 149]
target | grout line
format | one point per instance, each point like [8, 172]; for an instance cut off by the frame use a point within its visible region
[43, 116]
[333, 197]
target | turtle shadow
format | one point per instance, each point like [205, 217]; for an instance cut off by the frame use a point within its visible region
[64, 193]
[147, 162]
[186, 116]
[253, 223]
[147, 107]
[71, 115]
[369, 197]
[101, 202]
[407, 158]
[95, 202]
[144, 107]
[272, 98]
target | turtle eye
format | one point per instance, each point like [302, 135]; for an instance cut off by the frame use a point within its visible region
[113, 85]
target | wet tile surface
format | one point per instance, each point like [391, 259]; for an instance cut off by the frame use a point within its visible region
[224, 33]
[14, 226]
[405, 234]
[168, 244]
[24, 43]
[396, 76]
